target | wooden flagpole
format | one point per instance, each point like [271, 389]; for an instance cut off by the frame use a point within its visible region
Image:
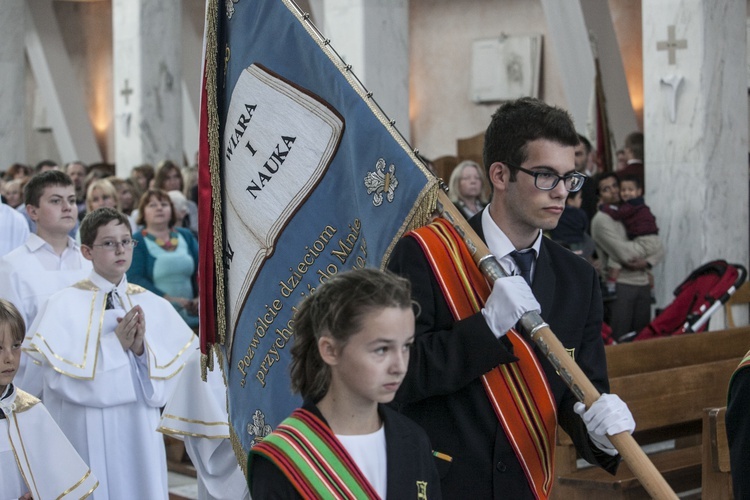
[535, 327]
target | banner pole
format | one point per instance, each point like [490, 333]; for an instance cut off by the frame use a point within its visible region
[534, 326]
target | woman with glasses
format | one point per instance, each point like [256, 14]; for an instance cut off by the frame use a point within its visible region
[166, 258]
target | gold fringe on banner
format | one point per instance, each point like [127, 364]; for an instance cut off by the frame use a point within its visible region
[239, 452]
[215, 166]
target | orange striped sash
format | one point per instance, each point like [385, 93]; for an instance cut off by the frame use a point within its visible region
[518, 392]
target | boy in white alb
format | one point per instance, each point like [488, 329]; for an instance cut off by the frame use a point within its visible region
[36, 460]
[50, 259]
[197, 414]
[105, 372]
[14, 231]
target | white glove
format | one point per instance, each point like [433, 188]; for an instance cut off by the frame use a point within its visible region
[609, 415]
[510, 299]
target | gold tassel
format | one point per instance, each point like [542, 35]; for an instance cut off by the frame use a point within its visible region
[239, 452]
[214, 165]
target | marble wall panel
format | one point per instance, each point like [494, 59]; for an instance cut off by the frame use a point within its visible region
[696, 157]
[12, 83]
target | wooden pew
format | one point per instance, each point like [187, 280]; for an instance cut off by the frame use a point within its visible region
[667, 383]
[716, 480]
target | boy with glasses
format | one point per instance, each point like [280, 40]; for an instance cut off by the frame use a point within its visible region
[105, 372]
[467, 369]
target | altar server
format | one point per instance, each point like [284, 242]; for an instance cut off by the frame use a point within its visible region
[197, 414]
[50, 259]
[36, 459]
[110, 352]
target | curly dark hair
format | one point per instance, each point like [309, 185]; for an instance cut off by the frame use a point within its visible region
[337, 309]
[516, 123]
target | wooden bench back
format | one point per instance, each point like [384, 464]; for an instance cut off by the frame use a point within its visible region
[671, 352]
[716, 481]
[674, 396]
[666, 383]
[668, 404]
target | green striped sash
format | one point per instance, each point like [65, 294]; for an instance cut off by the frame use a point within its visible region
[305, 449]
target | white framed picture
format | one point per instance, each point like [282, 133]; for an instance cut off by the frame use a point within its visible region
[505, 67]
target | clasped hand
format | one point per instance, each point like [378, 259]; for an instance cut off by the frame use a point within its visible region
[131, 330]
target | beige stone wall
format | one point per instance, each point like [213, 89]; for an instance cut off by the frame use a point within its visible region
[626, 17]
[441, 33]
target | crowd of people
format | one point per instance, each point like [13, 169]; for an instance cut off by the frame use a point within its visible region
[417, 381]
[89, 354]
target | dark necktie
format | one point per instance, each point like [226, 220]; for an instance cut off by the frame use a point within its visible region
[524, 261]
[9, 393]
[110, 301]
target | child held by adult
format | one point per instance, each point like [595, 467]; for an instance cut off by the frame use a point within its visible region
[105, 372]
[351, 352]
[640, 225]
[36, 459]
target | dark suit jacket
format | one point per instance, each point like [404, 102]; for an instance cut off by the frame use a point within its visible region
[408, 454]
[738, 432]
[589, 200]
[443, 391]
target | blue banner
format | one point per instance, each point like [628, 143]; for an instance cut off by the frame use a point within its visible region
[314, 181]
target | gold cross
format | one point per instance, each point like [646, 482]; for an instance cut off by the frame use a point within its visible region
[671, 44]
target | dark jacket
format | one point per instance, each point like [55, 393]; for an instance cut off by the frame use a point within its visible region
[738, 432]
[571, 227]
[635, 216]
[408, 456]
[443, 391]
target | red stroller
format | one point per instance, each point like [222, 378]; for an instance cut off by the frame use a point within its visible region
[696, 299]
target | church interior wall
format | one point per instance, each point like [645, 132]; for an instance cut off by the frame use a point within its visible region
[441, 33]
[86, 30]
[626, 18]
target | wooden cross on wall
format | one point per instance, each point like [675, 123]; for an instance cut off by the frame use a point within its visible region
[671, 44]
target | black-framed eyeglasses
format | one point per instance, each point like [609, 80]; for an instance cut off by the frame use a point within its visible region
[112, 245]
[546, 181]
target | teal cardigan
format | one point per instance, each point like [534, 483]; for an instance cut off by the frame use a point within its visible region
[141, 271]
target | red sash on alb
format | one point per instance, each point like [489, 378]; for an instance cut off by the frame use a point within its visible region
[519, 392]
